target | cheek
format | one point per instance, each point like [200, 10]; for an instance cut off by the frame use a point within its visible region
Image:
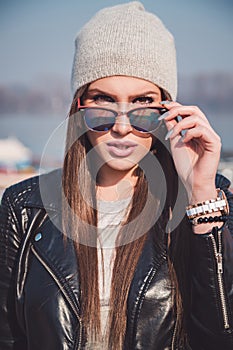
[97, 141]
[93, 137]
[147, 143]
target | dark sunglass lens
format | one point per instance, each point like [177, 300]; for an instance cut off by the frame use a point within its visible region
[145, 119]
[99, 119]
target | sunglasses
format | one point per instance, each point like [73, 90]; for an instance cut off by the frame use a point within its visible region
[101, 119]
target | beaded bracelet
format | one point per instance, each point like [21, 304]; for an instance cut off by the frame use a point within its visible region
[209, 219]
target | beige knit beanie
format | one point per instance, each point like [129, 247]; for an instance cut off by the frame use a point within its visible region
[125, 40]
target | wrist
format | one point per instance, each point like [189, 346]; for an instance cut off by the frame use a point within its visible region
[204, 215]
[202, 194]
[206, 228]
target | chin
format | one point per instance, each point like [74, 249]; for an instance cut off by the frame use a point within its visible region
[121, 164]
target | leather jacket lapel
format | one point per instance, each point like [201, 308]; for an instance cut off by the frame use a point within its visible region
[59, 258]
[149, 262]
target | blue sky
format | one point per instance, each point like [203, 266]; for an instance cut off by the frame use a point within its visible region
[37, 37]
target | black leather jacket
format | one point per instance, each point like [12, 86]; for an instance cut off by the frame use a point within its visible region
[39, 282]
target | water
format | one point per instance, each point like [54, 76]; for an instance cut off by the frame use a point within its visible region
[45, 135]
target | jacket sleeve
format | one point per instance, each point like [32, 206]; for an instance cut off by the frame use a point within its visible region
[11, 336]
[211, 321]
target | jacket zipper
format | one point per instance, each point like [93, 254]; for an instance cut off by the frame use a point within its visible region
[218, 256]
[64, 292]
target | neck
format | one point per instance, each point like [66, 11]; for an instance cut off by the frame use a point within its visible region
[117, 185]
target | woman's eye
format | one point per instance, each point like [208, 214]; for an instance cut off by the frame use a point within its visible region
[103, 99]
[143, 100]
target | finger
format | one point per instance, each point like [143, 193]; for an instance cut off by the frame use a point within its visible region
[184, 111]
[184, 124]
[207, 136]
[169, 104]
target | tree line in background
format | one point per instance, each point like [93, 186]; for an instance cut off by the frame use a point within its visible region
[211, 92]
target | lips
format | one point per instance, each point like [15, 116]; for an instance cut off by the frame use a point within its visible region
[121, 148]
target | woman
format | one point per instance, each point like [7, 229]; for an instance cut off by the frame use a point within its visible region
[102, 254]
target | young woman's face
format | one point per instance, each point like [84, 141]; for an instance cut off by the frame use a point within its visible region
[121, 148]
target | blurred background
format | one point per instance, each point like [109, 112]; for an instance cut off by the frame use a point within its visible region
[37, 46]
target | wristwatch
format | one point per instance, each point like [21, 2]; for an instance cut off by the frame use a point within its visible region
[220, 204]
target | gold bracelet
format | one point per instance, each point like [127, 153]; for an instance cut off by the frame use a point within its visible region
[219, 204]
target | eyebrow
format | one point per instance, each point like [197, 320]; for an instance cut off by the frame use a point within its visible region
[143, 93]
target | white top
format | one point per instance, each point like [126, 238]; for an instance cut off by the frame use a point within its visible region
[110, 216]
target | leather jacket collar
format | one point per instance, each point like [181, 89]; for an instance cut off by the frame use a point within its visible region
[47, 193]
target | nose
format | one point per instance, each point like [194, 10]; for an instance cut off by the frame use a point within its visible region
[122, 125]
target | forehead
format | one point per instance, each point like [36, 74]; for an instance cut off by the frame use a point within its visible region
[124, 86]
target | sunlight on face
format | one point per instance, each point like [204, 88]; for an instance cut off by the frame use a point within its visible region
[121, 148]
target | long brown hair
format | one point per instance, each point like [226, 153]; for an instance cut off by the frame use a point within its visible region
[81, 224]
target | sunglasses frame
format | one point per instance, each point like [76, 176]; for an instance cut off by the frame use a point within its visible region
[116, 114]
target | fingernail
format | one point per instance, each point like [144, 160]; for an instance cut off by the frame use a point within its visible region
[179, 118]
[183, 132]
[169, 134]
[165, 102]
[164, 115]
